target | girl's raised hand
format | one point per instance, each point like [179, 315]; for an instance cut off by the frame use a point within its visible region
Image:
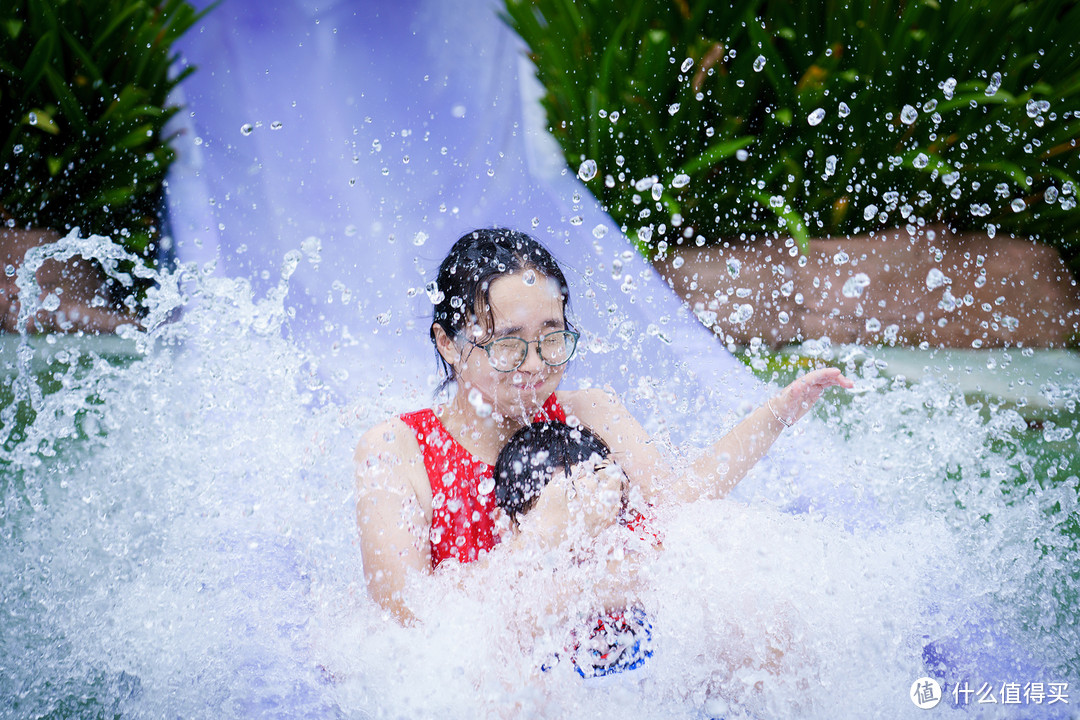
[796, 399]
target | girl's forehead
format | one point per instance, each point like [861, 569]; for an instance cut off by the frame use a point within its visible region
[525, 297]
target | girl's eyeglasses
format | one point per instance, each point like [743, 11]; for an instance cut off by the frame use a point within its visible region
[508, 353]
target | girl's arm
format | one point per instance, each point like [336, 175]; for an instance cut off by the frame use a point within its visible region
[723, 465]
[389, 516]
[720, 469]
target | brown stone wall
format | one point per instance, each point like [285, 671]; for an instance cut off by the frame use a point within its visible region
[931, 286]
[78, 284]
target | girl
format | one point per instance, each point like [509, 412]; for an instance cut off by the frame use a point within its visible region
[503, 338]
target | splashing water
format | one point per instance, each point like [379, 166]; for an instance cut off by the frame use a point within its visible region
[178, 539]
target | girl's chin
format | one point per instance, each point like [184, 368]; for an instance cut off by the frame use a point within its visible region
[523, 409]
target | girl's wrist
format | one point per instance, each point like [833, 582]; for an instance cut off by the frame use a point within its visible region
[779, 418]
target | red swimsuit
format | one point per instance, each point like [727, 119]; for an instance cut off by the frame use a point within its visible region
[462, 485]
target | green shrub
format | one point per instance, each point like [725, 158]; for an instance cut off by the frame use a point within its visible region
[83, 104]
[808, 119]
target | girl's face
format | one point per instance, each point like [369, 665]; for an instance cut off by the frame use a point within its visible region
[527, 305]
[586, 498]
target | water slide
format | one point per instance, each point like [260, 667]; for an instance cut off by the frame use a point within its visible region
[369, 136]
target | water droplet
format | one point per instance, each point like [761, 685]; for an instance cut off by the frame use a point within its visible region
[734, 266]
[246, 129]
[680, 180]
[873, 325]
[276, 125]
[17, 150]
[777, 201]
[657, 191]
[51, 302]
[980, 210]
[759, 63]
[741, 154]
[420, 238]
[843, 110]
[32, 118]
[948, 302]
[9, 270]
[677, 262]
[687, 64]
[948, 88]
[577, 220]
[288, 267]
[816, 117]
[921, 161]
[645, 233]
[855, 285]
[486, 485]
[935, 279]
[587, 170]
[950, 178]
[830, 166]
[994, 85]
[529, 278]
[840, 258]
[312, 248]
[1018, 205]
[869, 212]
[435, 295]
[783, 317]
[1051, 195]
[673, 108]
[599, 231]
[384, 318]
[908, 115]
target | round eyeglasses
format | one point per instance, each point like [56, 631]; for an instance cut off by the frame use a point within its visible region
[508, 353]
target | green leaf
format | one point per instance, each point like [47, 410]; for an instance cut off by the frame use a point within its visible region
[41, 120]
[716, 153]
[13, 27]
[37, 64]
[69, 104]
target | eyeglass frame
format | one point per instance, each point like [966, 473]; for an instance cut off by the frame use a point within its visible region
[486, 347]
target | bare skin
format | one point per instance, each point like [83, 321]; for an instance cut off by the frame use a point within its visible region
[393, 492]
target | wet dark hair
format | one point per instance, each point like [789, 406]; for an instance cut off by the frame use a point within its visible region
[462, 288]
[533, 454]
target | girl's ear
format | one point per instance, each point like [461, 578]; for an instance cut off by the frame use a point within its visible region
[447, 348]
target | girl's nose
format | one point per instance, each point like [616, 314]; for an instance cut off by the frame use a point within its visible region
[532, 362]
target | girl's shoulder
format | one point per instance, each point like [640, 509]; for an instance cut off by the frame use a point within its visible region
[388, 456]
[392, 438]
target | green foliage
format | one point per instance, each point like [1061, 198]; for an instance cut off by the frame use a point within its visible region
[964, 112]
[83, 104]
